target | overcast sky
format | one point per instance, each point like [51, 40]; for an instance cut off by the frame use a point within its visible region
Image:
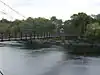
[46, 8]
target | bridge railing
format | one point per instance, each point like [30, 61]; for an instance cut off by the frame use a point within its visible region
[15, 36]
[26, 36]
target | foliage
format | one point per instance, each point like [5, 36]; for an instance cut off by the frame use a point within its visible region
[93, 30]
[81, 20]
[79, 24]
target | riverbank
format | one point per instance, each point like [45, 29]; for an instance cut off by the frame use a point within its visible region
[37, 44]
[81, 47]
[70, 46]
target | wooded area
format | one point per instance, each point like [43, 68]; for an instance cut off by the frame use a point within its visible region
[81, 24]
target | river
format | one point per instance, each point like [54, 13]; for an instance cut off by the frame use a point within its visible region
[15, 60]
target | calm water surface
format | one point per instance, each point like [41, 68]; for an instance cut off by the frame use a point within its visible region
[46, 61]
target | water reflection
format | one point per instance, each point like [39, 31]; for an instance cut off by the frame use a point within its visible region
[46, 61]
[81, 70]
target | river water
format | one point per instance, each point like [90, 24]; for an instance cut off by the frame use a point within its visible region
[15, 60]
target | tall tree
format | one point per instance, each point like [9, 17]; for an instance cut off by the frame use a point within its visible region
[81, 19]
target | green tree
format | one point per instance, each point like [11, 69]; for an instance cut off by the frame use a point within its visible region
[93, 29]
[81, 19]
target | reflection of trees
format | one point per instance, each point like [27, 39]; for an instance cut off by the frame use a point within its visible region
[77, 64]
[35, 45]
[81, 60]
[77, 59]
[67, 56]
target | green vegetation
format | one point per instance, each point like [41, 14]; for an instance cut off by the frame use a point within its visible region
[79, 24]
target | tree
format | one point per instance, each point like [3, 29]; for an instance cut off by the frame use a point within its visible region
[71, 29]
[57, 22]
[93, 29]
[5, 21]
[81, 19]
[53, 19]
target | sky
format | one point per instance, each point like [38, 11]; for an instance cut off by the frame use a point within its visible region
[62, 9]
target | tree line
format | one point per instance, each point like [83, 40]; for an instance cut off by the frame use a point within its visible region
[79, 24]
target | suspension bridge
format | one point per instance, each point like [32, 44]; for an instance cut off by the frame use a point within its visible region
[30, 36]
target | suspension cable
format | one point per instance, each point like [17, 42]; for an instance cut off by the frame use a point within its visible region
[12, 8]
[1, 73]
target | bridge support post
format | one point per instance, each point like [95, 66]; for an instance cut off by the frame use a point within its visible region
[37, 36]
[31, 38]
[15, 36]
[34, 35]
[48, 34]
[25, 36]
[21, 36]
[9, 35]
[44, 36]
[63, 39]
[1, 36]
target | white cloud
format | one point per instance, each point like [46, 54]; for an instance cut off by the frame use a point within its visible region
[47, 8]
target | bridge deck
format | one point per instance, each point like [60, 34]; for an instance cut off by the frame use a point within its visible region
[9, 38]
